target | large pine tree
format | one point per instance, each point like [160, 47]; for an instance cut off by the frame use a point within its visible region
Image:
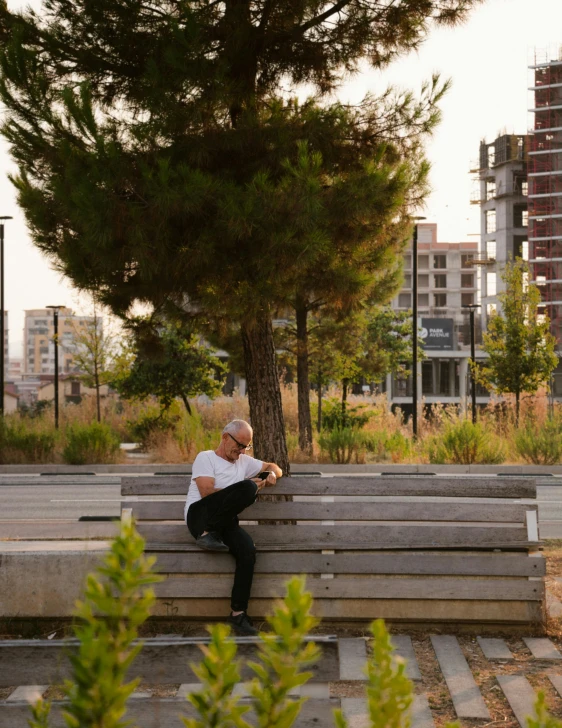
[161, 160]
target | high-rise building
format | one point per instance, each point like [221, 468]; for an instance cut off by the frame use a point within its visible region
[545, 183]
[38, 336]
[502, 195]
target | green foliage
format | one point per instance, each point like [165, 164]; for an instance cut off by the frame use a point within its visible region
[281, 657]
[333, 417]
[520, 348]
[341, 443]
[169, 362]
[19, 443]
[542, 719]
[116, 603]
[34, 409]
[152, 421]
[465, 443]
[540, 445]
[92, 443]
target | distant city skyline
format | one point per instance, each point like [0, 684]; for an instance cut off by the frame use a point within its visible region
[487, 59]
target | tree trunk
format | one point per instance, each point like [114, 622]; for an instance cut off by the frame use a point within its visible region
[264, 393]
[319, 422]
[186, 403]
[98, 396]
[517, 406]
[344, 403]
[303, 383]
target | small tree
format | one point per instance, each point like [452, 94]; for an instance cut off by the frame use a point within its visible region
[520, 347]
[169, 362]
[94, 354]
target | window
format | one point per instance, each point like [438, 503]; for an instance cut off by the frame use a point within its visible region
[407, 261]
[467, 299]
[491, 221]
[520, 215]
[466, 260]
[440, 261]
[74, 388]
[439, 300]
[491, 309]
[407, 281]
[423, 300]
[467, 280]
[490, 189]
[404, 300]
[440, 281]
[491, 249]
[423, 281]
[491, 283]
[43, 349]
[525, 187]
[423, 262]
[491, 155]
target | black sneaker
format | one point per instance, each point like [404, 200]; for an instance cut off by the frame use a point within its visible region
[211, 542]
[242, 624]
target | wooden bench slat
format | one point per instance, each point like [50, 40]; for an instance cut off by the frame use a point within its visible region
[342, 587]
[383, 536]
[481, 487]
[483, 564]
[501, 512]
[410, 611]
[161, 661]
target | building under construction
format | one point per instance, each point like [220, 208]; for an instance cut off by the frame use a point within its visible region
[545, 184]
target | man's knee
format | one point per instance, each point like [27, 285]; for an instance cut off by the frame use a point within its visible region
[249, 490]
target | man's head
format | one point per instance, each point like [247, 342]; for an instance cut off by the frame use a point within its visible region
[236, 437]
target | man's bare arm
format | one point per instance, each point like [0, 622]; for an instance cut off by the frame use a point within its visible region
[205, 485]
[274, 475]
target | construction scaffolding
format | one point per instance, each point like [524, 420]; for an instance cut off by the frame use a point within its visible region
[545, 183]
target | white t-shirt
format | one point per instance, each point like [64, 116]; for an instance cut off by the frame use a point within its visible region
[210, 465]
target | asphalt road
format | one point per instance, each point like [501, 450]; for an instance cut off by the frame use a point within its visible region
[69, 498]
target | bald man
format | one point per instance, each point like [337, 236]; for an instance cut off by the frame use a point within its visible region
[224, 482]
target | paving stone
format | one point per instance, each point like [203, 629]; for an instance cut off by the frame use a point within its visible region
[355, 712]
[187, 688]
[553, 605]
[520, 695]
[556, 680]
[464, 691]
[421, 713]
[27, 693]
[353, 658]
[405, 649]
[141, 694]
[542, 648]
[495, 649]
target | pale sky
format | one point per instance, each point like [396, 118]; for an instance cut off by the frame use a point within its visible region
[487, 59]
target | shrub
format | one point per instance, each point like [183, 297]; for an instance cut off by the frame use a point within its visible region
[341, 443]
[116, 603]
[333, 417]
[540, 445]
[21, 444]
[93, 443]
[152, 422]
[463, 443]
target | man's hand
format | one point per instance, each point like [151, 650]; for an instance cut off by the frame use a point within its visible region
[270, 480]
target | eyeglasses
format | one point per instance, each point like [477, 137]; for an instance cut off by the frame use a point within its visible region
[240, 445]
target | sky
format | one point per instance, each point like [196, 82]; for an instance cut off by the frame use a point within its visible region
[486, 58]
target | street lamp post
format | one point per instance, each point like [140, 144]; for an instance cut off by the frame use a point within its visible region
[2, 332]
[472, 307]
[56, 341]
[415, 328]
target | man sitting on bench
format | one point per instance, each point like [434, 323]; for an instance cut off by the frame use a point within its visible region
[223, 483]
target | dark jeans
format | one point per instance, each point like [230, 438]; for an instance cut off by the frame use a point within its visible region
[219, 512]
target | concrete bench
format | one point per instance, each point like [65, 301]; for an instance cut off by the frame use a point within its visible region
[370, 547]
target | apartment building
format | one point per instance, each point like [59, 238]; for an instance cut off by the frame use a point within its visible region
[502, 193]
[39, 348]
[448, 281]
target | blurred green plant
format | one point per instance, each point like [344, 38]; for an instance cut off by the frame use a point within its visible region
[116, 603]
[341, 443]
[21, 443]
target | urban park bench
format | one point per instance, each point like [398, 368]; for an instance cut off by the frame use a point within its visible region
[456, 550]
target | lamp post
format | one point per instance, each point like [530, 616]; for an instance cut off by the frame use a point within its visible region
[56, 340]
[415, 328]
[2, 332]
[472, 307]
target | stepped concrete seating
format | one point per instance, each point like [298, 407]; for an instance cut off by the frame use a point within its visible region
[424, 550]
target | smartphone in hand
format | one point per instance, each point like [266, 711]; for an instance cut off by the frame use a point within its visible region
[263, 475]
